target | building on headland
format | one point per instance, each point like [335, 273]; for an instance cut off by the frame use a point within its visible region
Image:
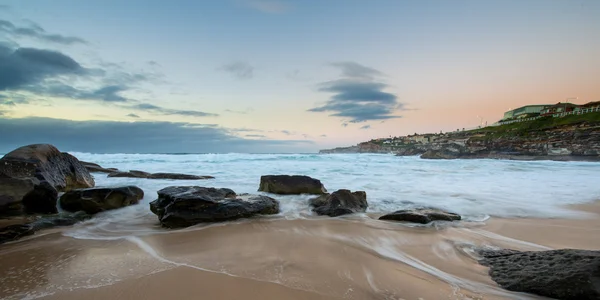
[559, 108]
[524, 111]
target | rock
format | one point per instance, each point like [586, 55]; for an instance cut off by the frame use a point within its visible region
[37, 171]
[567, 274]
[291, 185]
[342, 202]
[93, 167]
[17, 231]
[95, 200]
[421, 215]
[183, 206]
[141, 174]
[318, 201]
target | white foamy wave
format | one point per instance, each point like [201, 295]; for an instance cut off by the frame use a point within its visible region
[475, 189]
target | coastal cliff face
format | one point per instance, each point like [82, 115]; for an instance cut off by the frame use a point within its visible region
[564, 142]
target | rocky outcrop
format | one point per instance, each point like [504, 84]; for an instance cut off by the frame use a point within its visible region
[562, 274]
[95, 200]
[366, 147]
[341, 202]
[32, 176]
[421, 216]
[142, 174]
[17, 231]
[96, 168]
[291, 185]
[183, 206]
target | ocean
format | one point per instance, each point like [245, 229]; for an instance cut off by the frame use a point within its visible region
[476, 189]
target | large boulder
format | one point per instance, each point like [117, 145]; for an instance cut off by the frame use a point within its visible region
[95, 200]
[94, 167]
[421, 215]
[567, 274]
[37, 173]
[183, 206]
[291, 185]
[341, 202]
[17, 231]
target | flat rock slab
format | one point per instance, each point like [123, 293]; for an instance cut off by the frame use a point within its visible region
[421, 216]
[17, 231]
[340, 202]
[291, 185]
[141, 174]
[183, 206]
[567, 274]
[95, 200]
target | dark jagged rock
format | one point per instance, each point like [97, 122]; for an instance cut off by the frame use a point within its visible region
[567, 274]
[341, 202]
[29, 171]
[318, 201]
[17, 231]
[95, 200]
[421, 215]
[183, 206]
[291, 185]
[141, 174]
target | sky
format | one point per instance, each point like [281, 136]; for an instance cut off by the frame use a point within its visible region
[266, 76]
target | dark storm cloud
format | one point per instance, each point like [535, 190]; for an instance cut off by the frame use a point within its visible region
[239, 69]
[37, 32]
[29, 66]
[359, 96]
[167, 111]
[134, 137]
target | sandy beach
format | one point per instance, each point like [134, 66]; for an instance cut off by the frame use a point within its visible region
[356, 257]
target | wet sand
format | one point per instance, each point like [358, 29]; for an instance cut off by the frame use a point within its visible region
[269, 258]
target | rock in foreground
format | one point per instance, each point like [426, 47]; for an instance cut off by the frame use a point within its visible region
[183, 206]
[341, 202]
[291, 185]
[17, 231]
[421, 215]
[95, 200]
[567, 274]
[32, 176]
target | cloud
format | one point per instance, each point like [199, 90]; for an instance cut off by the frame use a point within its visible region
[132, 115]
[242, 112]
[344, 124]
[286, 132]
[268, 6]
[56, 89]
[355, 70]
[256, 135]
[167, 111]
[36, 32]
[358, 96]
[135, 137]
[323, 135]
[366, 127]
[239, 69]
[29, 66]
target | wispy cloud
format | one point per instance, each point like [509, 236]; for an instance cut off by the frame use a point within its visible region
[268, 6]
[167, 111]
[239, 69]
[132, 116]
[36, 32]
[358, 96]
[242, 112]
[366, 127]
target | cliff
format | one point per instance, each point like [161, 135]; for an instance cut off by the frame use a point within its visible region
[574, 137]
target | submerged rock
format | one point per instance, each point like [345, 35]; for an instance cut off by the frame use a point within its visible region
[35, 173]
[291, 185]
[183, 206]
[421, 215]
[341, 202]
[17, 231]
[567, 274]
[95, 200]
[93, 167]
